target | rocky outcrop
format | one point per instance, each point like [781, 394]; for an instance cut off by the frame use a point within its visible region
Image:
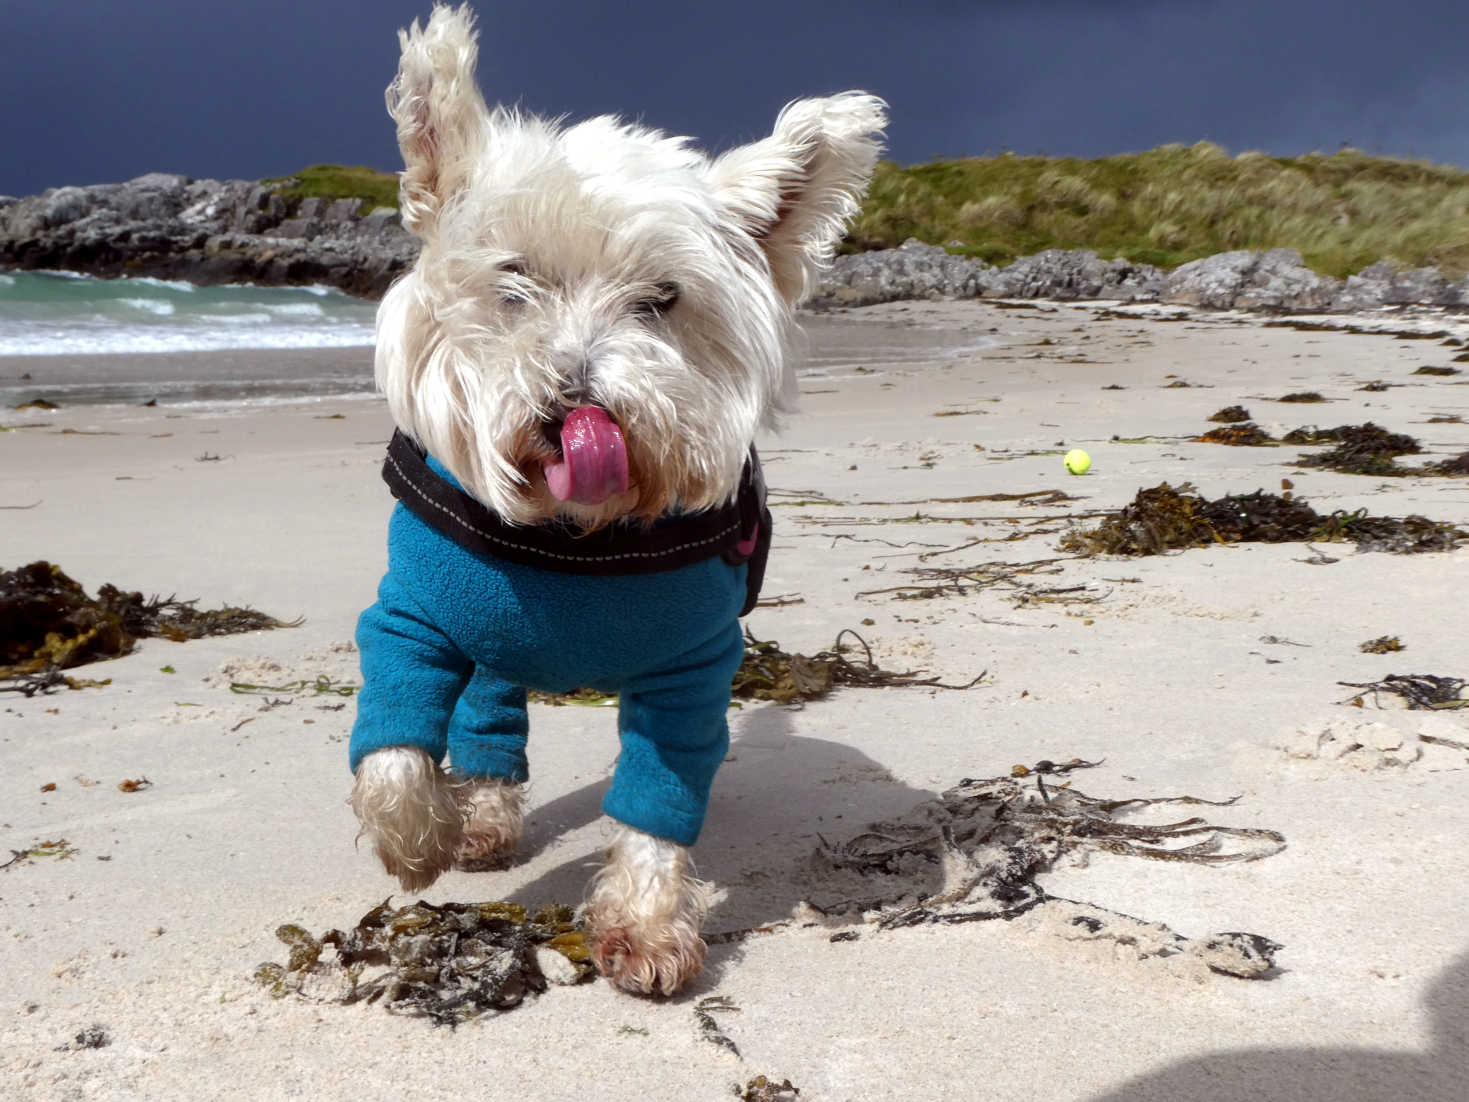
[205, 231]
[1271, 280]
[1077, 274]
[242, 231]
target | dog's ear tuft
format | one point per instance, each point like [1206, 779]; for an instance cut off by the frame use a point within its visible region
[440, 112]
[795, 191]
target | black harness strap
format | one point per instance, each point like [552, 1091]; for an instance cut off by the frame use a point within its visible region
[618, 549]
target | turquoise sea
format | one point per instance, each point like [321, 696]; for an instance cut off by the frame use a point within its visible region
[74, 339]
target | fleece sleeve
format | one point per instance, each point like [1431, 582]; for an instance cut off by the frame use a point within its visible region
[412, 675]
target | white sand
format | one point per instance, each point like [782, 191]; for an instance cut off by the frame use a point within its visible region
[151, 929]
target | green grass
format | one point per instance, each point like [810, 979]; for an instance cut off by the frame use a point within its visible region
[375, 189]
[1176, 203]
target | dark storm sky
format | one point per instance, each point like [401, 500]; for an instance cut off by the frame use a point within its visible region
[100, 90]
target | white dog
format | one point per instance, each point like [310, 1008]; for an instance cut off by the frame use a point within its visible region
[578, 364]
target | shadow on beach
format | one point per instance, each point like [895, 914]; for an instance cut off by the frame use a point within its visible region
[1440, 1074]
[776, 792]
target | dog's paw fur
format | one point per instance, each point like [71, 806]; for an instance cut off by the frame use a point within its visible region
[495, 824]
[643, 911]
[412, 811]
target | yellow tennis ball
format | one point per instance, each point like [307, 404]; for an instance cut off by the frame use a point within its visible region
[1077, 461]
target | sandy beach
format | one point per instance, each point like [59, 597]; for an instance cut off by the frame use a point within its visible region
[1212, 672]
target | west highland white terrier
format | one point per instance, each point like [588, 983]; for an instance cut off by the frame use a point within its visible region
[577, 365]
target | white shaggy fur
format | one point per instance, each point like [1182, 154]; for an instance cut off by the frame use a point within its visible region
[646, 908]
[601, 264]
[413, 812]
[493, 827]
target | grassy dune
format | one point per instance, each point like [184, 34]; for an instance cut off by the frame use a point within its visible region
[1166, 206]
[1177, 203]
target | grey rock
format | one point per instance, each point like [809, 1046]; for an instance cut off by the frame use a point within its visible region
[1366, 290]
[1425, 285]
[206, 231]
[1280, 281]
[1213, 281]
[1275, 280]
[64, 204]
[342, 210]
[297, 227]
[1068, 274]
[912, 270]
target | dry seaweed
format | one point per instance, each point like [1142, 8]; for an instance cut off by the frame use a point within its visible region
[1245, 435]
[321, 685]
[1420, 690]
[1301, 396]
[769, 673]
[1230, 415]
[586, 698]
[1361, 449]
[48, 622]
[94, 1036]
[58, 848]
[447, 963]
[45, 681]
[761, 1089]
[1383, 644]
[959, 581]
[1458, 465]
[1427, 370]
[704, 1011]
[1164, 518]
[985, 842]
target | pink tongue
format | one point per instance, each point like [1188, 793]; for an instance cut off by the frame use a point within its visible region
[594, 458]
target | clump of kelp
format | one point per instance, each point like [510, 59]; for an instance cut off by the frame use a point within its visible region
[447, 963]
[1245, 434]
[1360, 449]
[48, 623]
[1167, 518]
[1230, 415]
[1366, 449]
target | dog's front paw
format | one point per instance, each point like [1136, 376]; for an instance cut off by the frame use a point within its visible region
[643, 915]
[494, 827]
[412, 811]
[642, 961]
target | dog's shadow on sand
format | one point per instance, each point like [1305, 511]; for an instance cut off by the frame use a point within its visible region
[776, 796]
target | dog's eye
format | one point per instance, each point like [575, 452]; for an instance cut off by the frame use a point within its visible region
[510, 292]
[659, 303]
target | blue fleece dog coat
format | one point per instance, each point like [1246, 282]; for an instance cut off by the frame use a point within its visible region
[458, 634]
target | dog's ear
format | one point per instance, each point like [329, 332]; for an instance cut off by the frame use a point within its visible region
[795, 191]
[440, 112]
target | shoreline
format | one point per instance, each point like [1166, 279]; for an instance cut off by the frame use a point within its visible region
[1160, 667]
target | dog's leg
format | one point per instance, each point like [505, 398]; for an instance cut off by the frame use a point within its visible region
[645, 906]
[644, 910]
[412, 676]
[412, 811]
[496, 818]
[487, 737]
